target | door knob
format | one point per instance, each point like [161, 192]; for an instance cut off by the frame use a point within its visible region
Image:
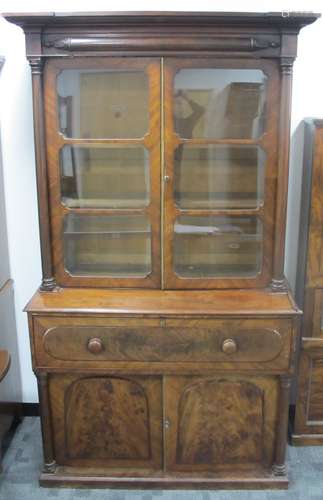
[95, 345]
[229, 346]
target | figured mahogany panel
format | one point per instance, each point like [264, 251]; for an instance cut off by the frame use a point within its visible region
[112, 419]
[216, 422]
[265, 344]
[205, 408]
[106, 420]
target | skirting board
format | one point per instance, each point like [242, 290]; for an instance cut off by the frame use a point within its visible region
[20, 410]
[306, 439]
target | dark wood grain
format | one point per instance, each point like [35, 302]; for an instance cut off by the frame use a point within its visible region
[309, 403]
[207, 406]
[46, 423]
[308, 427]
[117, 425]
[118, 420]
[64, 342]
[197, 407]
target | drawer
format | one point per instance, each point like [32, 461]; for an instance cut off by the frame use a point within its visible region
[262, 344]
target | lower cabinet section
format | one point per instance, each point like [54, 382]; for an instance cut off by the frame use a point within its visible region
[164, 396]
[308, 427]
[165, 426]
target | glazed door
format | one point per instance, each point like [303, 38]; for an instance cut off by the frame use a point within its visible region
[219, 167]
[213, 423]
[220, 172]
[105, 421]
[103, 154]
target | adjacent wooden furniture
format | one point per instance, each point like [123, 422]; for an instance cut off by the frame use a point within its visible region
[10, 386]
[163, 335]
[308, 426]
[4, 364]
[5, 420]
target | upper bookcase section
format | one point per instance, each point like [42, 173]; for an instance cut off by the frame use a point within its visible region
[252, 34]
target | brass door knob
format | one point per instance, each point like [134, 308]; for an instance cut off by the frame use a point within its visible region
[95, 346]
[229, 346]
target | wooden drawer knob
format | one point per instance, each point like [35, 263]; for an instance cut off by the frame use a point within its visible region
[229, 346]
[95, 346]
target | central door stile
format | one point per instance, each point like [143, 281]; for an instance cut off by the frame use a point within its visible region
[162, 172]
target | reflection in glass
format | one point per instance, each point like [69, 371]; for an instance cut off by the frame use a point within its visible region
[219, 176]
[102, 103]
[112, 246]
[217, 246]
[219, 103]
[104, 176]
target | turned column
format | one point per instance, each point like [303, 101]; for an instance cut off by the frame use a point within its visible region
[278, 280]
[48, 280]
[46, 424]
[279, 467]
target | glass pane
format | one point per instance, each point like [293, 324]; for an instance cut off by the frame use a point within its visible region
[217, 246]
[102, 103]
[216, 176]
[219, 103]
[114, 246]
[105, 176]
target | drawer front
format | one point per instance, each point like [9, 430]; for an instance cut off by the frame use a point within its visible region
[61, 341]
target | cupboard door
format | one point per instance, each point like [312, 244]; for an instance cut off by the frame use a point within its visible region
[309, 405]
[103, 153]
[312, 197]
[213, 423]
[102, 420]
[220, 172]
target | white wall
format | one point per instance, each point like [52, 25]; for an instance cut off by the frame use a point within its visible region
[20, 187]
[307, 102]
[17, 134]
